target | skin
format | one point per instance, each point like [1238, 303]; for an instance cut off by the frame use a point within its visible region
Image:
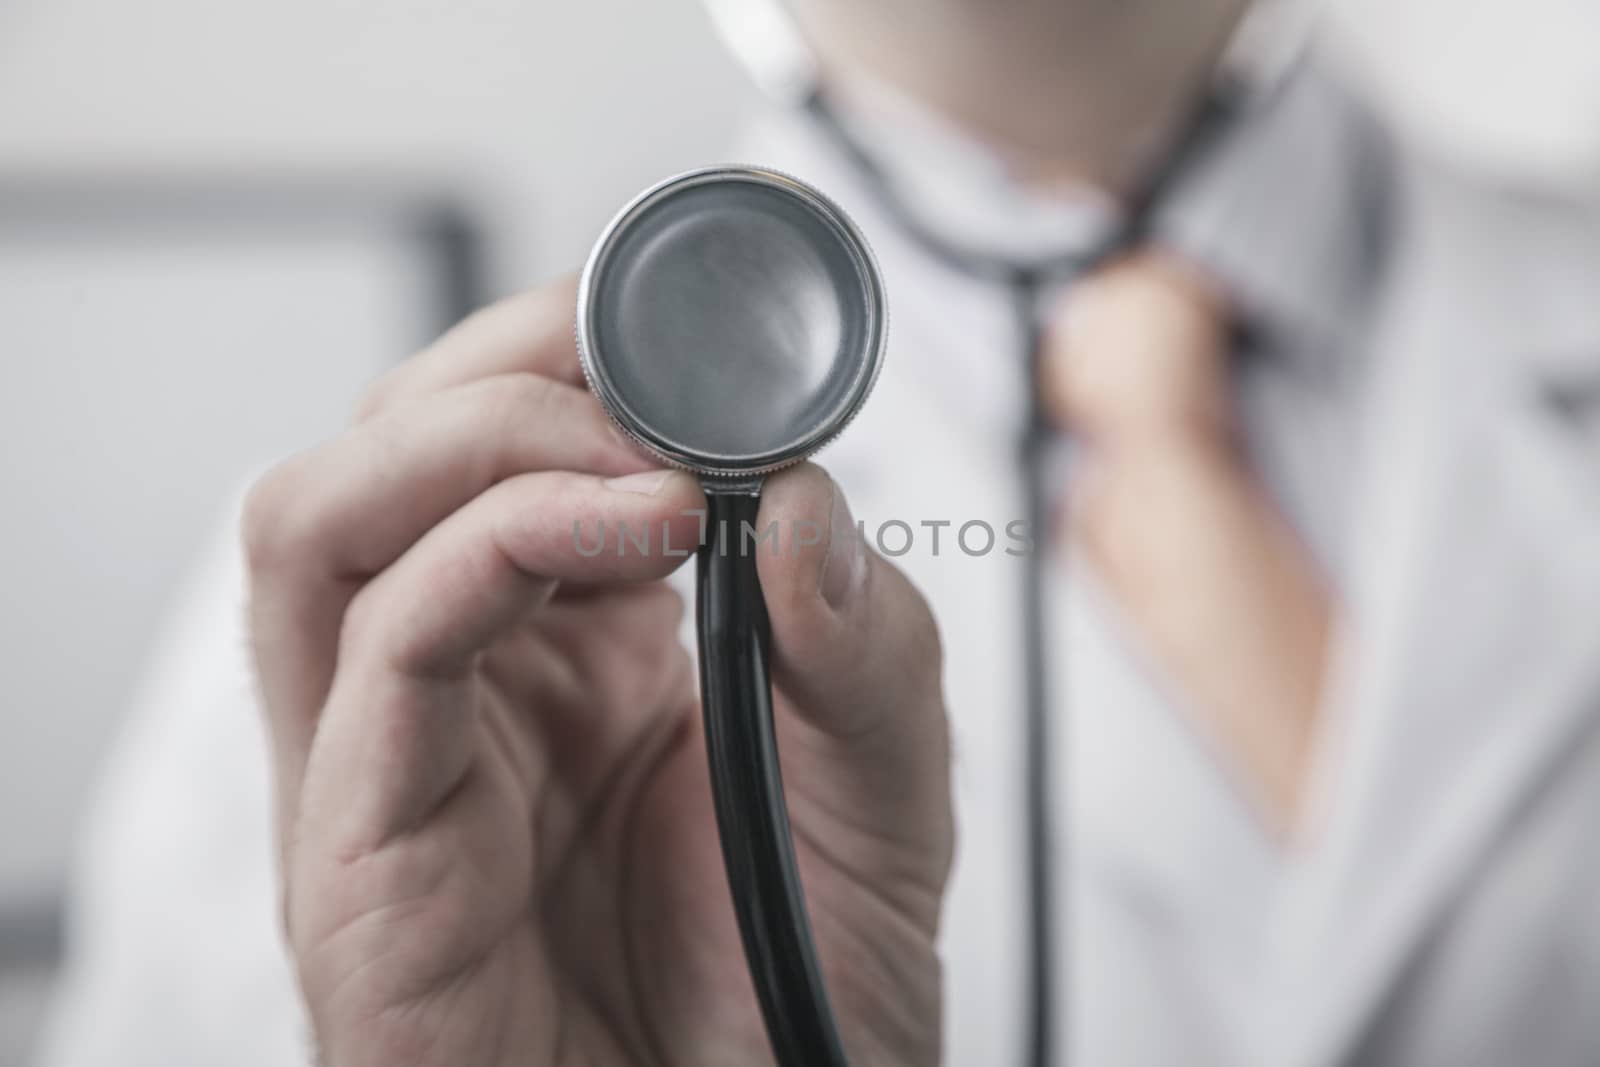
[497, 833]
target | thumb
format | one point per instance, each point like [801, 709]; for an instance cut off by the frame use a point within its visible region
[857, 669]
[854, 643]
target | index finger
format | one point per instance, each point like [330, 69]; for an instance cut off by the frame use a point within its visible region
[531, 332]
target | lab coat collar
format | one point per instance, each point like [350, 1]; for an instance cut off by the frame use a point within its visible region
[1290, 211]
[1472, 659]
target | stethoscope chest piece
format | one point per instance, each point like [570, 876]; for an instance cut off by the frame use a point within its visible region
[732, 321]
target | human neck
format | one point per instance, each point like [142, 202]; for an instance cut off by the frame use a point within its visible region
[1069, 94]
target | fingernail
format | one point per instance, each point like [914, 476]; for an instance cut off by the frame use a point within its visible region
[846, 565]
[645, 483]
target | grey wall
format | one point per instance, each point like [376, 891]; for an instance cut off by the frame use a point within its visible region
[139, 381]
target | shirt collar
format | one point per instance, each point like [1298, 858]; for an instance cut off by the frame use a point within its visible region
[1289, 212]
[1286, 209]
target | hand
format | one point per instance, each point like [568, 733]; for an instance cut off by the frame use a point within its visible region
[498, 843]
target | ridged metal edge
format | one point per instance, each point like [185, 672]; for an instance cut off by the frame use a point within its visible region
[586, 358]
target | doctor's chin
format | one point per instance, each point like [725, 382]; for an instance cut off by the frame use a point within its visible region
[800, 533]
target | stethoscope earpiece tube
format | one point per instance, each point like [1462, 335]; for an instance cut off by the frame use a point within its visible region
[735, 638]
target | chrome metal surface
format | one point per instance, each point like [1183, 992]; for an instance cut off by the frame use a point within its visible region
[732, 320]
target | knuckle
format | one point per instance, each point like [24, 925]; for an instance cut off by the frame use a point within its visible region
[657, 636]
[679, 606]
[519, 398]
[916, 644]
[670, 606]
[506, 406]
[377, 397]
[269, 524]
[361, 621]
[545, 310]
[924, 639]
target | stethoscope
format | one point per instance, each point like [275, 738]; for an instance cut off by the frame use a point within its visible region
[732, 320]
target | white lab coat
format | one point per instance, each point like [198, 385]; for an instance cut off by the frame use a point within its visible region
[1443, 908]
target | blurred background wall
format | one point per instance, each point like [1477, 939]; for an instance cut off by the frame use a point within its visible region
[145, 371]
